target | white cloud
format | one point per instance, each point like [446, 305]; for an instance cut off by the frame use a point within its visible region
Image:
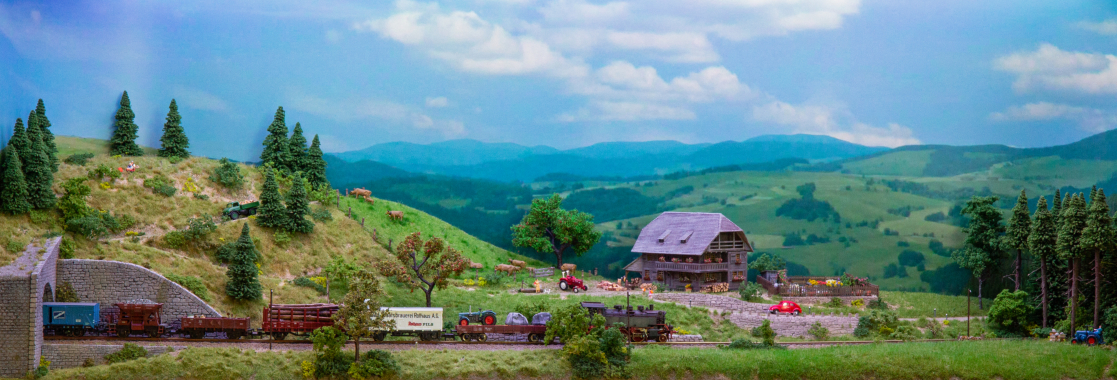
[674, 47]
[1107, 27]
[627, 111]
[582, 12]
[623, 80]
[360, 109]
[1052, 68]
[188, 97]
[827, 120]
[437, 102]
[1089, 119]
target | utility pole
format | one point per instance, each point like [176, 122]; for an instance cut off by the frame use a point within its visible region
[968, 293]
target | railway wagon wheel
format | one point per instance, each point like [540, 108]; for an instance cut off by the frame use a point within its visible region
[235, 334]
[379, 337]
[482, 337]
[123, 332]
[278, 335]
[152, 332]
[534, 338]
[639, 335]
[661, 337]
[196, 334]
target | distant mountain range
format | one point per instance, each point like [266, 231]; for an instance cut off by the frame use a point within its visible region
[513, 162]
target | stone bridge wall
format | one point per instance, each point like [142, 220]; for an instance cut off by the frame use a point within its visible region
[23, 285]
[109, 282]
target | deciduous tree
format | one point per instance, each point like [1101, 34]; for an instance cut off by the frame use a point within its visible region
[243, 282]
[1097, 237]
[1016, 236]
[423, 265]
[276, 150]
[1041, 243]
[550, 229]
[174, 139]
[1069, 245]
[123, 141]
[271, 213]
[13, 189]
[359, 313]
[983, 245]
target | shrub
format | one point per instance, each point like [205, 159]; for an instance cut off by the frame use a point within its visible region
[130, 352]
[934, 329]
[94, 226]
[66, 248]
[43, 369]
[1109, 332]
[308, 283]
[910, 258]
[15, 245]
[103, 171]
[905, 333]
[818, 331]
[328, 359]
[191, 283]
[201, 196]
[878, 304]
[872, 323]
[531, 307]
[88, 363]
[751, 291]
[65, 293]
[160, 184]
[765, 333]
[166, 190]
[1009, 314]
[282, 237]
[322, 215]
[228, 174]
[175, 239]
[79, 159]
[190, 186]
[174, 160]
[495, 278]
[199, 228]
[834, 302]
[857, 303]
[126, 221]
[322, 193]
[374, 363]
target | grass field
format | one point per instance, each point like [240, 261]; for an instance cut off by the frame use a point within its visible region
[1008, 360]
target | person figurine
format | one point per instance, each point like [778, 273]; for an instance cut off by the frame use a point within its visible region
[131, 166]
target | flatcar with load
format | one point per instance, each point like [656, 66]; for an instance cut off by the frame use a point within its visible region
[279, 319]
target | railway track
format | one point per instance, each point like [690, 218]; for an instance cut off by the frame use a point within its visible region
[443, 342]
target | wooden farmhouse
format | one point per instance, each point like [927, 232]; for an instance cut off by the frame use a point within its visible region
[691, 248]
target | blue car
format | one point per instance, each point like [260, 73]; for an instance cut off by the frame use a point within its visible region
[1090, 337]
[70, 318]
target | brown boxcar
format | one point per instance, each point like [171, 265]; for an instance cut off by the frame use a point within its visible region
[196, 328]
[535, 333]
[138, 319]
[280, 320]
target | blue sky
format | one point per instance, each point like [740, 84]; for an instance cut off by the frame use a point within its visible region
[569, 73]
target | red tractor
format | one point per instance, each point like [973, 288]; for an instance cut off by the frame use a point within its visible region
[569, 282]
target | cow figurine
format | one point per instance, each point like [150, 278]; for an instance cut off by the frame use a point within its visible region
[474, 265]
[569, 267]
[369, 200]
[510, 269]
[395, 215]
[518, 263]
[360, 192]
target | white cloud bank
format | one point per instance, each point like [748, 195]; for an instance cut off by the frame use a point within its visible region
[1089, 119]
[1049, 67]
[1105, 28]
[827, 120]
[360, 109]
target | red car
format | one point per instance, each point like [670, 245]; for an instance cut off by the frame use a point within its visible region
[786, 307]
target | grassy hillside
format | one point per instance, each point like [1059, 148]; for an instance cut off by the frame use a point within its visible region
[154, 215]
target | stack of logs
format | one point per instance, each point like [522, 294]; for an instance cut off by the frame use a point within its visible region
[606, 285]
[317, 312]
[720, 287]
[648, 287]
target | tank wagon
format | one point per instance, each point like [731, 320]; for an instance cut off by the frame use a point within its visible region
[642, 324]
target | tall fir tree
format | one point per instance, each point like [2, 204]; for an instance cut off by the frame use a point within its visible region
[1057, 208]
[982, 247]
[1041, 243]
[21, 144]
[174, 139]
[1097, 237]
[13, 191]
[276, 150]
[316, 165]
[1070, 248]
[38, 175]
[48, 136]
[297, 148]
[123, 141]
[298, 206]
[243, 283]
[271, 212]
[1016, 237]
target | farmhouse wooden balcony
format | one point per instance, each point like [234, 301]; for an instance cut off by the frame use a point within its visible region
[686, 267]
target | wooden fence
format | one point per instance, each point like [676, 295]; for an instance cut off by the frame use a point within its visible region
[796, 289]
[543, 272]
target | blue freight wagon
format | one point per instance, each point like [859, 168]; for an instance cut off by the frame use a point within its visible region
[70, 318]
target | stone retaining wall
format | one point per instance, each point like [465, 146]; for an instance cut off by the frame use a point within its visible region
[686, 338]
[796, 326]
[22, 287]
[711, 301]
[109, 282]
[74, 355]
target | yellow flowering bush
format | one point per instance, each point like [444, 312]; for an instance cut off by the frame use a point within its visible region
[190, 186]
[481, 281]
[308, 369]
[320, 280]
[105, 186]
[469, 282]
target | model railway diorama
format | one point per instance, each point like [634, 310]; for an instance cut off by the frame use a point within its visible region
[279, 321]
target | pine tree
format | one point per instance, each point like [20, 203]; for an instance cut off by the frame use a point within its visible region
[299, 156]
[1041, 243]
[271, 212]
[48, 136]
[298, 206]
[1097, 237]
[123, 140]
[174, 137]
[1057, 208]
[316, 166]
[983, 247]
[38, 175]
[1019, 227]
[21, 144]
[243, 283]
[13, 192]
[1069, 246]
[276, 150]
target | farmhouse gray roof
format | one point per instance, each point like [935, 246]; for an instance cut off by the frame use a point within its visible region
[683, 233]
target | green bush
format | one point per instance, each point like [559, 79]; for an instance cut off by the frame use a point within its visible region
[175, 239]
[1008, 317]
[532, 306]
[322, 215]
[764, 332]
[66, 248]
[818, 331]
[191, 283]
[495, 278]
[751, 291]
[94, 226]
[201, 196]
[374, 363]
[308, 283]
[322, 194]
[834, 302]
[199, 228]
[905, 332]
[226, 252]
[129, 352]
[160, 184]
[15, 245]
[65, 293]
[42, 370]
[745, 344]
[1109, 331]
[166, 190]
[126, 221]
[79, 159]
[102, 171]
[282, 237]
[228, 174]
[328, 358]
[878, 304]
[876, 322]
